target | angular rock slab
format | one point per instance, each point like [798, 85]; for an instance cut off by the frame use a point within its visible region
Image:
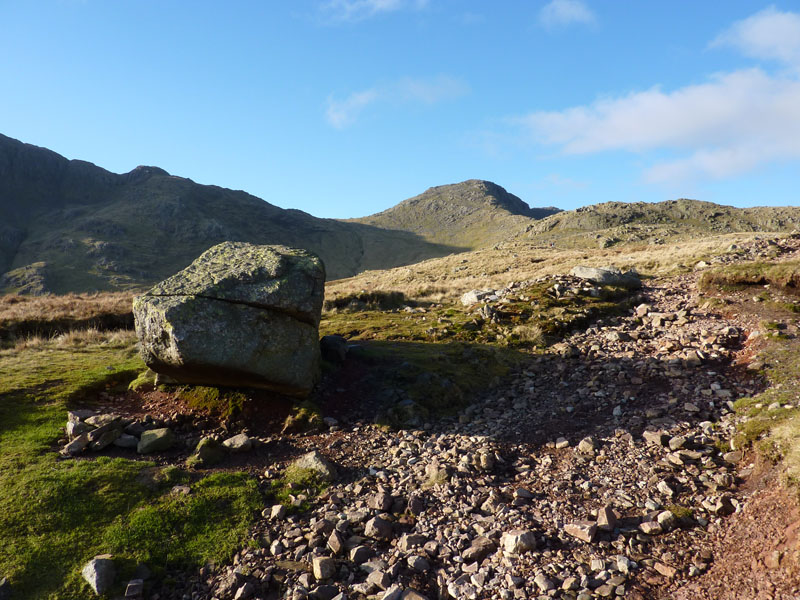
[239, 315]
[608, 276]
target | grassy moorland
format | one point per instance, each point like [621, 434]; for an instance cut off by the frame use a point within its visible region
[57, 514]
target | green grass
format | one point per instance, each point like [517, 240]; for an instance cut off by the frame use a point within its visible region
[205, 525]
[57, 514]
[296, 481]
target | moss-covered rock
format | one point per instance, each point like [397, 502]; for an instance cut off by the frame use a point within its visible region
[240, 315]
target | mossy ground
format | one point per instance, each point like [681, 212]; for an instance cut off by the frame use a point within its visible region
[57, 514]
[296, 487]
[433, 360]
[770, 420]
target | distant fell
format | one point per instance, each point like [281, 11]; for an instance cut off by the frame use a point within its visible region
[71, 226]
[612, 223]
[471, 214]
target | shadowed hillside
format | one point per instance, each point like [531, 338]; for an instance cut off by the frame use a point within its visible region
[470, 214]
[70, 226]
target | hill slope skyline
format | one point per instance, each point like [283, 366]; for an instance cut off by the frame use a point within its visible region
[69, 225]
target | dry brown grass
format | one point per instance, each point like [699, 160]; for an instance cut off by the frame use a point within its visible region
[80, 338]
[15, 308]
[445, 279]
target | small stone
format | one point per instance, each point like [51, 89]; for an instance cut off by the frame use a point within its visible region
[380, 501]
[277, 512]
[104, 439]
[666, 570]
[666, 519]
[135, 588]
[99, 573]
[623, 564]
[156, 440]
[587, 445]
[606, 519]
[393, 592]
[323, 567]
[245, 592]
[518, 541]
[650, 528]
[418, 563]
[562, 442]
[412, 594]
[480, 548]
[379, 579]
[336, 543]
[543, 583]
[655, 438]
[734, 457]
[126, 441]
[361, 554]
[76, 446]
[316, 462]
[5, 589]
[238, 443]
[665, 489]
[378, 528]
[583, 530]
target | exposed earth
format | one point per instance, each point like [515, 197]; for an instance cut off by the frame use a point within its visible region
[606, 465]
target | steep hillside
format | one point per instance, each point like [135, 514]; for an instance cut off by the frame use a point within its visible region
[470, 214]
[612, 223]
[70, 226]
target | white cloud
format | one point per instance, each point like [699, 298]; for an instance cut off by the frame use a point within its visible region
[559, 13]
[358, 10]
[730, 124]
[769, 34]
[343, 113]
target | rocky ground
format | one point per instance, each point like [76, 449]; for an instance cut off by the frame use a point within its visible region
[604, 467]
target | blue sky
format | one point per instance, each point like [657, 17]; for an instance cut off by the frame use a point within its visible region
[342, 108]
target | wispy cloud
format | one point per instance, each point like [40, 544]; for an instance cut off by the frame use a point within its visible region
[559, 13]
[769, 34]
[359, 10]
[556, 180]
[343, 113]
[730, 124]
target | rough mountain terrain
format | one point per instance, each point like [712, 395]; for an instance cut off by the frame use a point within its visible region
[70, 226]
[614, 463]
[469, 214]
[611, 223]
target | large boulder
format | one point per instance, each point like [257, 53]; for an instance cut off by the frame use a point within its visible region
[240, 315]
[608, 276]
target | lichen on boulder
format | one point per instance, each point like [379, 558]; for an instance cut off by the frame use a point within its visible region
[239, 315]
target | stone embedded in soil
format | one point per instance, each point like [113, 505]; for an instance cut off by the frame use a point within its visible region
[316, 462]
[378, 528]
[208, 453]
[126, 441]
[156, 440]
[99, 573]
[582, 530]
[238, 443]
[518, 541]
[323, 568]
